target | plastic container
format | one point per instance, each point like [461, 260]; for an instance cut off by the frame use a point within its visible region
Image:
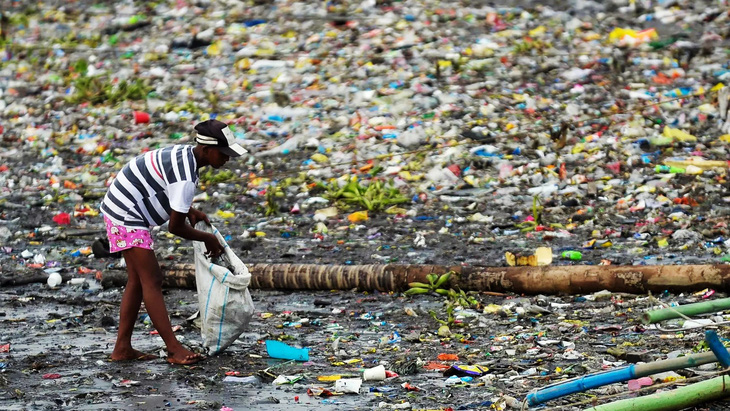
[374, 374]
[141, 117]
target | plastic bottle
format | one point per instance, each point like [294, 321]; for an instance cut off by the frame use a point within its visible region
[572, 255]
[669, 169]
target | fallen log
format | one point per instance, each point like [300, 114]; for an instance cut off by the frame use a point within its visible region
[575, 279]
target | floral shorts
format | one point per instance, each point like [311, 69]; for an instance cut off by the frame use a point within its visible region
[122, 238]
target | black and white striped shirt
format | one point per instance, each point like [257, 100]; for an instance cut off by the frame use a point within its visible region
[150, 186]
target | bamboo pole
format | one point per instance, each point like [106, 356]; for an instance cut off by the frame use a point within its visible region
[575, 279]
[655, 316]
[680, 398]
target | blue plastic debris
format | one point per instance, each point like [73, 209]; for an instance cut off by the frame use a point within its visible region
[277, 349]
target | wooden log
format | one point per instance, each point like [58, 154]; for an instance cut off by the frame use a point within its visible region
[576, 279]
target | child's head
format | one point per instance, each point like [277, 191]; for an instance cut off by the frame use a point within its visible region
[216, 143]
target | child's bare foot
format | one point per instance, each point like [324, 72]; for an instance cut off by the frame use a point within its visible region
[184, 357]
[131, 354]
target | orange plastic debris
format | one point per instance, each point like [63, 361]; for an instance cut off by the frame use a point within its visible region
[686, 201]
[436, 366]
[662, 78]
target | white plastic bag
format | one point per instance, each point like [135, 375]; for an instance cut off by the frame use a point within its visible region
[225, 303]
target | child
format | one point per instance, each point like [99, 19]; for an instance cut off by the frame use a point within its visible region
[152, 189]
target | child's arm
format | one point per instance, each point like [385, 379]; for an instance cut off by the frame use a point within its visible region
[195, 216]
[178, 227]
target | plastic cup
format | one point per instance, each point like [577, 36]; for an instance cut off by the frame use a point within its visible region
[348, 385]
[374, 374]
[141, 117]
[54, 280]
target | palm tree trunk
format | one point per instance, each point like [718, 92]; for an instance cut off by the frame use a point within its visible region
[575, 279]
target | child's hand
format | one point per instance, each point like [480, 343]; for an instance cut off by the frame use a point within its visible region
[212, 246]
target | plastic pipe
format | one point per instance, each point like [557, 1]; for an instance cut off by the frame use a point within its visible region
[716, 346]
[618, 375]
[678, 399]
[581, 384]
[651, 317]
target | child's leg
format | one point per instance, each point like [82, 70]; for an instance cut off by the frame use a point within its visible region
[143, 263]
[128, 312]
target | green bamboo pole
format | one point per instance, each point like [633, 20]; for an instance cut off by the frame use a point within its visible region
[671, 364]
[689, 396]
[651, 317]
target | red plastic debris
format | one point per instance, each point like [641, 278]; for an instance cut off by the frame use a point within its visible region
[708, 294]
[62, 218]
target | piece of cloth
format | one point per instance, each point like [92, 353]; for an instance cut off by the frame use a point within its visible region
[122, 238]
[150, 186]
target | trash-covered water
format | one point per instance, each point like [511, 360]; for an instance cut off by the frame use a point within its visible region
[457, 109]
[522, 343]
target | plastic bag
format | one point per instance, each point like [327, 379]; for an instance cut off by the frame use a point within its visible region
[225, 304]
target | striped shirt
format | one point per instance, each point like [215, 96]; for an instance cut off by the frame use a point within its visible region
[150, 186]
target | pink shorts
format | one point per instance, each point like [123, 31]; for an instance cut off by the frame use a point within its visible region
[122, 238]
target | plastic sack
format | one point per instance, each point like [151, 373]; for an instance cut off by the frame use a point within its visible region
[225, 304]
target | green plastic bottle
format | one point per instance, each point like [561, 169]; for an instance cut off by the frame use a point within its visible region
[572, 255]
[669, 169]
